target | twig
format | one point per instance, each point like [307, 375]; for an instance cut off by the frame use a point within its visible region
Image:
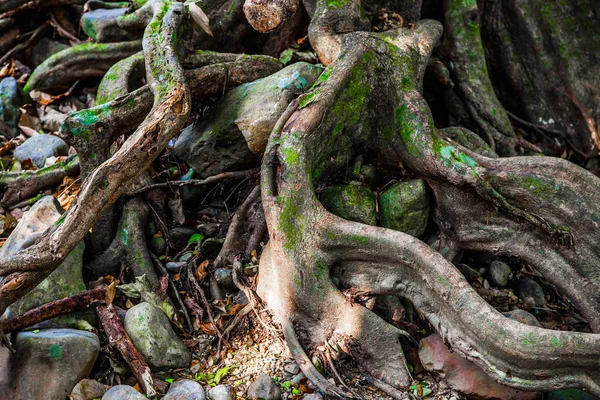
[198, 291]
[62, 30]
[164, 272]
[22, 46]
[54, 309]
[197, 182]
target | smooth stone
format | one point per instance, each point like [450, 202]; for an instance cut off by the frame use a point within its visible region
[463, 375]
[498, 274]
[405, 207]
[236, 134]
[88, 389]
[44, 48]
[64, 281]
[525, 288]
[151, 333]
[224, 277]
[123, 392]
[469, 273]
[221, 392]
[354, 202]
[100, 25]
[185, 390]
[10, 99]
[523, 317]
[158, 245]
[291, 368]
[264, 388]
[312, 396]
[40, 147]
[60, 357]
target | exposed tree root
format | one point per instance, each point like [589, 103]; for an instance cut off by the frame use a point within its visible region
[367, 103]
[22, 185]
[245, 232]
[129, 245]
[309, 245]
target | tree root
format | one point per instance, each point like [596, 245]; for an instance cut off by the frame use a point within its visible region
[113, 177]
[129, 245]
[245, 232]
[24, 184]
[463, 49]
[78, 62]
[308, 245]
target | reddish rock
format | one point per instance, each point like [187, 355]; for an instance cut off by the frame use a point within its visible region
[463, 375]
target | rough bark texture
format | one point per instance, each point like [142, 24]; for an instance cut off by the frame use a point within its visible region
[368, 103]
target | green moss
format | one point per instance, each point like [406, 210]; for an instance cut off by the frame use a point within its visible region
[291, 221]
[292, 156]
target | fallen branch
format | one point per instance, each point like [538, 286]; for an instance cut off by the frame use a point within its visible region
[120, 340]
[54, 309]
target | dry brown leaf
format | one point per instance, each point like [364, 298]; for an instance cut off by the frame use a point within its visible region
[201, 270]
[27, 131]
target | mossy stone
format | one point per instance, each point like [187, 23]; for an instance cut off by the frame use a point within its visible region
[405, 207]
[354, 202]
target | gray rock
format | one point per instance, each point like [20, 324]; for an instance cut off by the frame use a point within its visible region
[405, 207]
[123, 392]
[185, 390]
[40, 147]
[264, 388]
[241, 298]
[469, 273]
[64, 281]
[52, 120]
[88, 389]
[354, 202]
[10, 100]
[523, 317]
[47, 364]
[237, 133]
[313, 396]
[529, 288]
[221, 392]
[42, 215]
[291, 368]
[499, 273]
[44, 48]
[158, 245]
[224, 277]
[152, 335]
[100, 25]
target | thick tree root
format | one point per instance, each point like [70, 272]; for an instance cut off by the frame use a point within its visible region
[245, 232]
[308, 245]
[78, 62]
[113, 177]
[463, 50]
[129, 245]
[22, 185]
